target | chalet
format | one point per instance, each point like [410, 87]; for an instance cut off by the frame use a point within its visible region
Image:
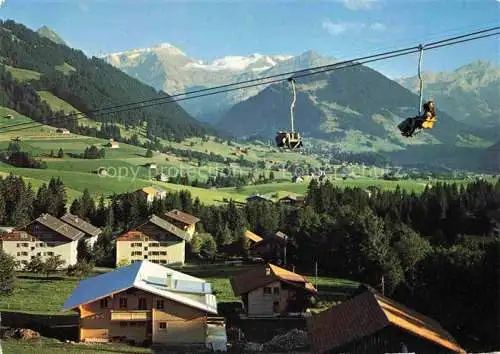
[259, 198]
[46, 236]
[9, 116]
[295, 200]
[113, 144]
[272, 248]
[144, 303]
[182, 220]
[269, 290]
[372, 323]
[152, 192]
[156, 240]
[151, 165]
[91, 232]
[62, 131]
[297, 179]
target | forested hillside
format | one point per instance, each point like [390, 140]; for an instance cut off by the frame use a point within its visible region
[86, 84]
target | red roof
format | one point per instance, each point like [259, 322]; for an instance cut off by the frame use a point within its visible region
[133, 236]
[17, 236]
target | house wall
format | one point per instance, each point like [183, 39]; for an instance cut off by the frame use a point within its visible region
[260, 304]
[25, 250]
[183, 323]
[154, 251]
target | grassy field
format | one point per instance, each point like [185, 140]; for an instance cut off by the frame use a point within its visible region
[55, 103]
[51, 293]
[23, 75]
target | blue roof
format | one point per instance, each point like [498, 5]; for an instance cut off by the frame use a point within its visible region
[102, 285]
[149, 277]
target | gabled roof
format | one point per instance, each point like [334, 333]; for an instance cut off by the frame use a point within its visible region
[266, 274]
[165, 225]
[60, 227]
[281, 235]
[149, 277]
[153, 190]
[252, 237]
[181, 216]
[81, 224]
[367, 314]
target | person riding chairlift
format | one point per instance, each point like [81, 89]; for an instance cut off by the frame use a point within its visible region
[425, 121]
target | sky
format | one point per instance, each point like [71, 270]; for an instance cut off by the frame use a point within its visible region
[209, 29]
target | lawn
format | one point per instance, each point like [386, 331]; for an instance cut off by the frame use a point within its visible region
[53, 346]
[51, 293]
[56, 104]
[23, 75]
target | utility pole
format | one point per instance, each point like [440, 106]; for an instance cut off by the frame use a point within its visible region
[284, 254]
[316, 275]
[383, 286]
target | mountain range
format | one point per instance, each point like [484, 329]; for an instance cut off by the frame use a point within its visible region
[168, 68]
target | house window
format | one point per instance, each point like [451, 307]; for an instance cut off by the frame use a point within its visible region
[142, 303]
[267, 290]
[160, 304]
[123, 302]
[276, 290]
[163, 326]
[104, 303]
[50, 253]
[123, 324]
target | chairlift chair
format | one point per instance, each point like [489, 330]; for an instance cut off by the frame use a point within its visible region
[426, 119]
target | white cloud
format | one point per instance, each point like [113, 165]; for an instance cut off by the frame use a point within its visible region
[2, 2]
[360, 4]
[336, 28]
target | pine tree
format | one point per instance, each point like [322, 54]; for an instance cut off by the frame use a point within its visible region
[7, 275]
[60, 153]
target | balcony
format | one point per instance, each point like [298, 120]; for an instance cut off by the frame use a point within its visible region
[139, 315]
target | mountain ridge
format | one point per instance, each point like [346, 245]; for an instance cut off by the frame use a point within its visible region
[49, 33]
[167, 67]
